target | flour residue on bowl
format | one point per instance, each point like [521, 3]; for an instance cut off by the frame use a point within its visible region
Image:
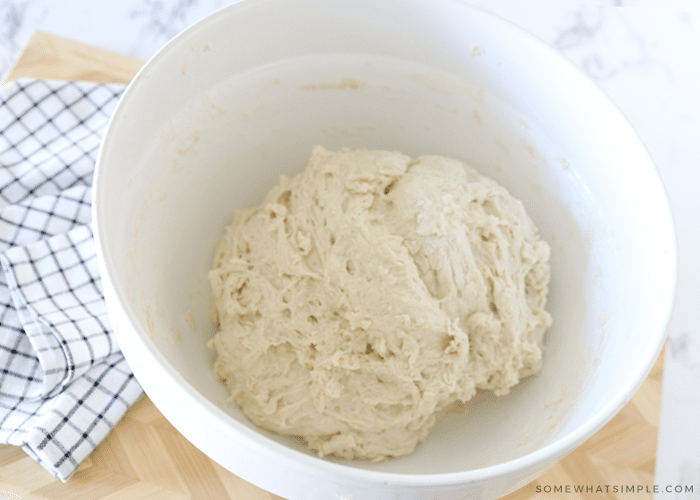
[477, 50]
[345, 83]
[187, 315]
[450, 85]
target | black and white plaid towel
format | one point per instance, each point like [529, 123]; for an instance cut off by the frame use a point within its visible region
[63, 380]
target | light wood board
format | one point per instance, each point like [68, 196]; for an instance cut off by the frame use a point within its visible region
[144, 457]
[49, 57]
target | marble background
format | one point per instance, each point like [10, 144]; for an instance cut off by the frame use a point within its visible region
[644, 53]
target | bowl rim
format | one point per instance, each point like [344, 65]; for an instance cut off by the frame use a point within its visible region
[256, 439]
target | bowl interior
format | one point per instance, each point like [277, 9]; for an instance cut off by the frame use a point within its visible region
[213, 121]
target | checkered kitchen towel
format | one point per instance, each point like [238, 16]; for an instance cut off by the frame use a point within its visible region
[63, 380]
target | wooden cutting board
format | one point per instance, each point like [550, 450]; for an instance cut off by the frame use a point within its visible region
[144, 457]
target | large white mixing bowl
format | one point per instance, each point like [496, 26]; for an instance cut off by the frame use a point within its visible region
[214, 118]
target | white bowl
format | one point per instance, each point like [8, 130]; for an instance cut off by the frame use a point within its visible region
[214, 118]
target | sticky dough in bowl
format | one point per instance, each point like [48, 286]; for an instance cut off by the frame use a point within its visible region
[229, 105]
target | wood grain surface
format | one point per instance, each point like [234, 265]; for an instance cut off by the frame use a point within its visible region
[49, 57]
[144, 457]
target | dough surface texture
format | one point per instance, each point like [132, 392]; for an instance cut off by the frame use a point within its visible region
[372, 291]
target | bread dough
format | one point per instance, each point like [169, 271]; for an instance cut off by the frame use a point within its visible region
[372, 291]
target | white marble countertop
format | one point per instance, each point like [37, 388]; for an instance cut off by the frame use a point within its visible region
[644, 53]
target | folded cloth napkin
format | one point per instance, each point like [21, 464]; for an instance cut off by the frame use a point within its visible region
[64, 382]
